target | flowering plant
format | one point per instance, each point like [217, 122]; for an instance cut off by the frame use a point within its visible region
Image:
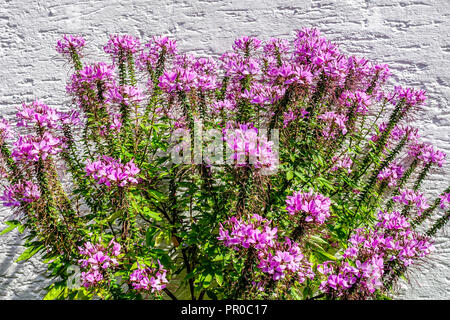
[280, 170]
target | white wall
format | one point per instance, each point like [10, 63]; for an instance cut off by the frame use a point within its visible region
[413, 37]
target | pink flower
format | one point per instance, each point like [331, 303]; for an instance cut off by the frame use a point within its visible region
[246, 44]
[121, 46]
[254, 233]
[96, 262]
[70, 44]
[445, 199]
[149, 279]
[38, 113]
[408, 197]
[5, 130]
[20, 193]
[33, 148]
[408, 96]
[315, 207]
[391, 174]
[342, 162]
[109, 171]
[250, 148]
[285, 260]
[332, 120]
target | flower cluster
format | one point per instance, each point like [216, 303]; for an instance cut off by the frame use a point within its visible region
[409, 197]
[89, 85]
[341, 276]
[408, 96]
[5, 130]
[109, 171]
[71, 118]
[431, 155]
[285, 259]
[157, 48]
[314, 206]
[33, 148]
[39, 113]
[427, 153]
[97, 261]
[403, 245]
[121, 46]
[20, 193]
[190, 73]
[149, 279]
[333, 121]
[70, 44]
[249, 147]
[391, 174]
[365, 259]
[126, 95]
[445, 199]
[397, 133]
[361, 100]
[275, 258]
[342, 162]
[291, 115]
[255, 233]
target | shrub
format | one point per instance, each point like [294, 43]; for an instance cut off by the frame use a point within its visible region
[278, 171]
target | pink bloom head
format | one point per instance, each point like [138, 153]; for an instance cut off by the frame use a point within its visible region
[70, 44]
[122, 46]
[20, 193]
[314, 206]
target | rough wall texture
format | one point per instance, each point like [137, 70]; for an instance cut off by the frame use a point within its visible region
[412, 36]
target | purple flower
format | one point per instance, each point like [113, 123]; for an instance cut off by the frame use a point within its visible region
[248, 147]
[70, 44]
[342, 162]
[255, 233]
[408, 97]
[33, 148]
[314, 206]
[38, 113]
[109, 171]
[121, 46]
[149, 279]
[333, 121]
[5, 130]
[409, 197]
[20, 193]
[391, 174]
[445, 199]
[96, 262]
[246, 44]
[285, 260]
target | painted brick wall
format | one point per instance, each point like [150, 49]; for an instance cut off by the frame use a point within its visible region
[412, 36]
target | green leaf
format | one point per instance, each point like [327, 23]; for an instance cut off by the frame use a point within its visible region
[325, 255]
[56, 291]
[219, 279]
[149, 235]
[301, 176]
[12, 225]
[317, 240]
[113, 217]
[207, 280]
[151, 214]
[325, 183]
[28, 253]
[289, 175]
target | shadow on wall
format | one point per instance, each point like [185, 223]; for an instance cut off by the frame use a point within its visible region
[19, 280]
